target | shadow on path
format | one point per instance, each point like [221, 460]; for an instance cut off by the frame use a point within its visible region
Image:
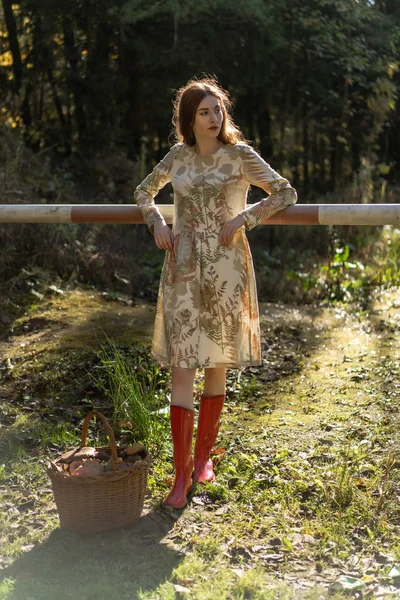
[115, 564]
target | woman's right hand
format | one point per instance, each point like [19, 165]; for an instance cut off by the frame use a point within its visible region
[163, 236]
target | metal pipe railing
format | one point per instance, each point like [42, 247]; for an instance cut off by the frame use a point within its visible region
[299, 214]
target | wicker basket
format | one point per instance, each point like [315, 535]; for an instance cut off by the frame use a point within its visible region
[105, 501]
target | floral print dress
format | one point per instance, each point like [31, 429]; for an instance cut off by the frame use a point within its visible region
[207, 310]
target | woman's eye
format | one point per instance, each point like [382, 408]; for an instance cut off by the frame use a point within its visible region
[204, 113]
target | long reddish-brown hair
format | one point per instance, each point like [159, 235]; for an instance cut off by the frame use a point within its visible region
[186, 102]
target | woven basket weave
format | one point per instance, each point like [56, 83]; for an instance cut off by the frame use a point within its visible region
[105, 501]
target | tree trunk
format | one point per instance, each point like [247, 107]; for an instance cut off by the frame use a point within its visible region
[305, 144]
[286, 104]
[321, 159]
[251, 110]
[57, 102]
[74, 82]
[134, 117]
[394, 137]
[101, 116]
[314, 181]
[17, 62]
[332, 157]
[264, 128]
[355, 156]
[14, 45]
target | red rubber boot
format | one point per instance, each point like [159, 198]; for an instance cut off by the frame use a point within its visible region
[182, 423]
[207, 431]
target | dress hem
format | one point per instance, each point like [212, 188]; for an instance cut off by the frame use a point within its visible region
[164, 362]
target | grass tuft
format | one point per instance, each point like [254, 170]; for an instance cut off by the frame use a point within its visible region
[139, 409]
[6, 586]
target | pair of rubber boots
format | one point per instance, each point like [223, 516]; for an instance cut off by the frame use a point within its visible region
[201, 467]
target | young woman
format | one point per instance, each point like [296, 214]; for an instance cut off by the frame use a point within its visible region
[207, 311]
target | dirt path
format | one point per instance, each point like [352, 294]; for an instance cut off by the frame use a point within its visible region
[307, 491]
[338, 402]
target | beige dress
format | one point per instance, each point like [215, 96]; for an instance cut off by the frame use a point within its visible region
[207, 310]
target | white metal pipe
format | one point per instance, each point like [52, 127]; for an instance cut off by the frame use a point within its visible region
[35, 213]
[359, 214]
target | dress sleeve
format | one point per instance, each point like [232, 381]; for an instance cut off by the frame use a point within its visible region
[147, 190]
[259, 173]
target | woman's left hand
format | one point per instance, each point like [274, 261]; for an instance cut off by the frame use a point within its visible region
[229, 229]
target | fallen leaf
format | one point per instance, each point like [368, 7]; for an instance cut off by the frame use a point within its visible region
[395, 572]
[198, 501]
[347, 583]
[222, 510]
[273, 557]
[238, 572]
[288, 544]
[181, 589]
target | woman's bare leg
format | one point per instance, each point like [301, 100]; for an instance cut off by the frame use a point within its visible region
[214, 382]
[182, 387]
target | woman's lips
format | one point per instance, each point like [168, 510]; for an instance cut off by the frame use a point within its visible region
[213, 128]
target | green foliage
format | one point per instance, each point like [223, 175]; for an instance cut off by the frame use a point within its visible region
[341, 283]
[135, 391]
[217, 492]
[348, 278]
[6, 586]
[62, 435]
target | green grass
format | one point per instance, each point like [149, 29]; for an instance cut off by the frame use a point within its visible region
[6, 587]
[138, 400]
[29, 431]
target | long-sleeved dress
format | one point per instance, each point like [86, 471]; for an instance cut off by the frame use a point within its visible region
[207, 310]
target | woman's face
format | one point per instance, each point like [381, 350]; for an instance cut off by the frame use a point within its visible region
[208, 118]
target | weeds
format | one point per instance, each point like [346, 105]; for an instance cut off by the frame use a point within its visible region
[6, 586]
[136, 395]
[352, 271]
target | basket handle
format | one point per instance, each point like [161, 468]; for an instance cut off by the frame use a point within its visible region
[107, 426]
